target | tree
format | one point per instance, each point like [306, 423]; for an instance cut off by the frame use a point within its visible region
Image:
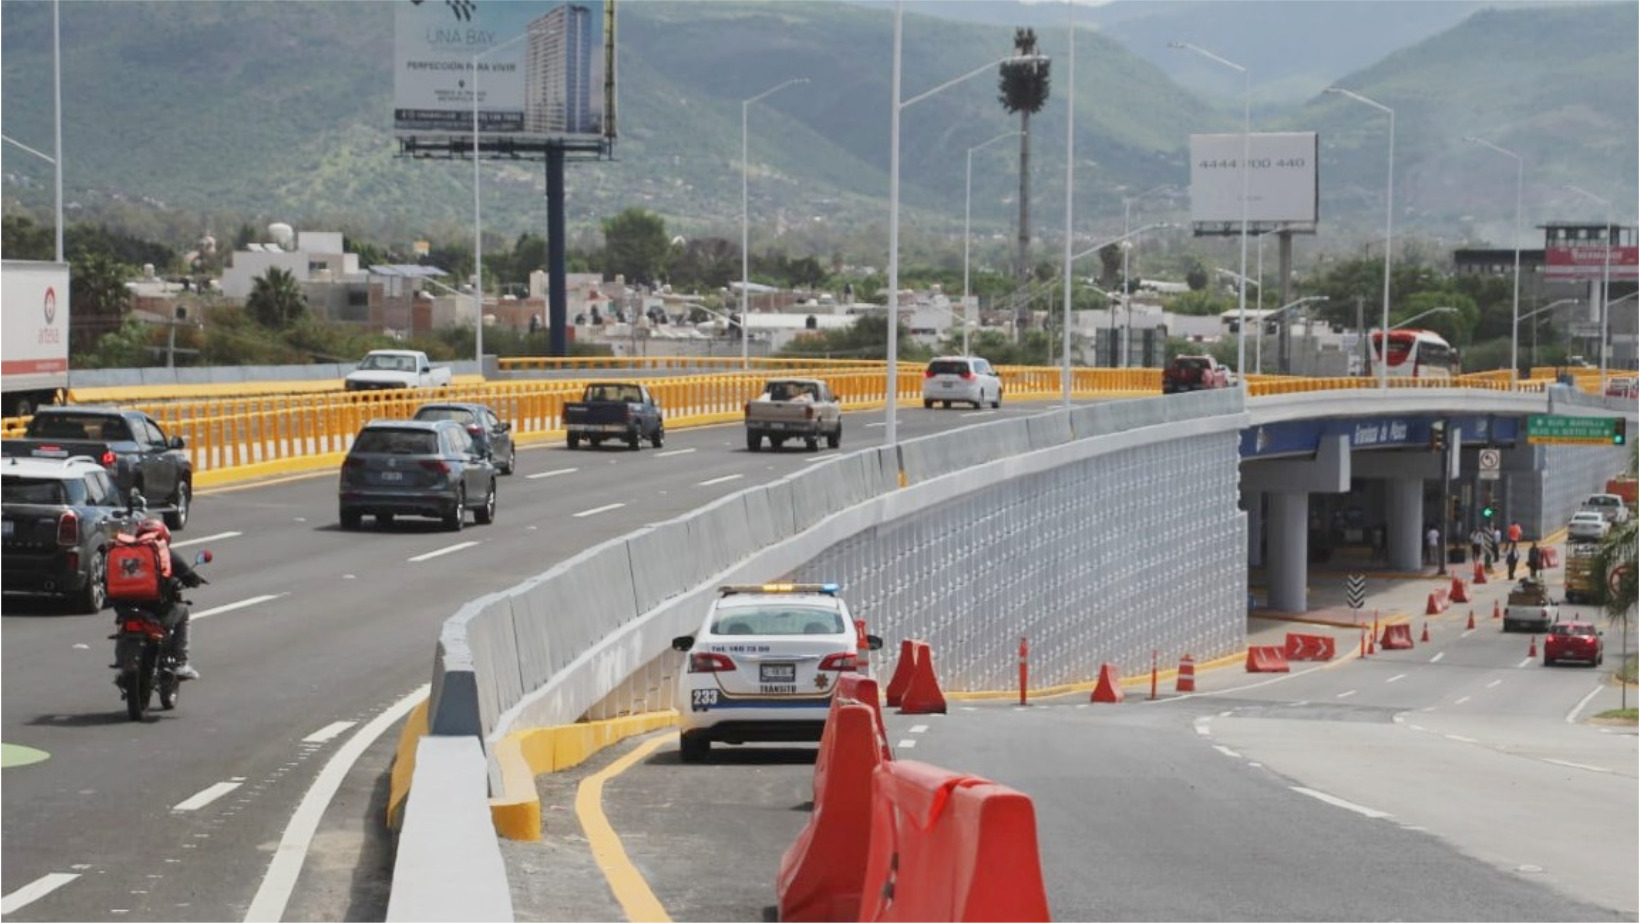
[1025, 87]
[1196, 276]
[98, 297]
[1620, 552]
[276, 300]
[22, 239]
[636, 245]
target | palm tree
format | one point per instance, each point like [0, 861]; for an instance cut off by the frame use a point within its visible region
[276, 301]
[1024, 86]
[1618, 553]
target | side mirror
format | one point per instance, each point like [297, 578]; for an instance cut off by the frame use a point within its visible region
[683, 643]
[177, 442]
[505, 426]
[202, 557]
[874, 642]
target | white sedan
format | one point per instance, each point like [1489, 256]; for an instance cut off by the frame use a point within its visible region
[763, 665]
[1586, 524]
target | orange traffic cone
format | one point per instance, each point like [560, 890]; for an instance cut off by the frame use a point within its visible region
[1471, 620]
[1425, 636]
[1372, 645]
[1532, 651]
[1497, 613]
[1480, 574]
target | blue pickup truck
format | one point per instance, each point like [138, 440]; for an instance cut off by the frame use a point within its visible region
[616, 411]
[135, 451]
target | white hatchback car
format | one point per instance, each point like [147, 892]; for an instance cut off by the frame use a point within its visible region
[968, 379]
[1586, 524]
[764, 664]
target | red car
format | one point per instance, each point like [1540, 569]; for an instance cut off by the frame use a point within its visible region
[1574, 641]
[1189, 373]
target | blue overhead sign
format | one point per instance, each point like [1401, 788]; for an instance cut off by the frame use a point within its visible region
[1301, 437]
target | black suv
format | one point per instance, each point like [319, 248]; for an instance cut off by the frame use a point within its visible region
[60, 517]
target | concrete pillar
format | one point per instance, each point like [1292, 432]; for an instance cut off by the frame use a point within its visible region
[1253, 503]
[1287, 573]
[1404, 523]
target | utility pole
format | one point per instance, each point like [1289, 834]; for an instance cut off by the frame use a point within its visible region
[1361, 332]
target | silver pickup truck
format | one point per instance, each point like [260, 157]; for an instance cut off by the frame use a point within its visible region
[795, 409]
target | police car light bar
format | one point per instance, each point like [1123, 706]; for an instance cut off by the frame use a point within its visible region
[782, 588]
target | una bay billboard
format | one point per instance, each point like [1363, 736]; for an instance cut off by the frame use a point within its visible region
[542, 69]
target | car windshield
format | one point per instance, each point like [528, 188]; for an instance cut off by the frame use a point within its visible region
[79, 427]
[458, 414]
[1571, 628]
[17, 489]
[397, 442]
[948, 366]
[1189, 363]
[777, 619]
[389, 363]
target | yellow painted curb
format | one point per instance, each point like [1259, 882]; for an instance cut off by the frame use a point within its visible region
[404, 764]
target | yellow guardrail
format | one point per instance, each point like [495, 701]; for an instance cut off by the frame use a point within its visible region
[131, 394]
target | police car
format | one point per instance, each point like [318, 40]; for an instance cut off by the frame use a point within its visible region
[764, 664]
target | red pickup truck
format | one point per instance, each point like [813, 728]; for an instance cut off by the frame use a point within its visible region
[1189, 373]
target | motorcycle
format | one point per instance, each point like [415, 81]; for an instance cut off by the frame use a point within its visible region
[142, 654]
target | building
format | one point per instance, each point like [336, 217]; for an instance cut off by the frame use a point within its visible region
[561, 86]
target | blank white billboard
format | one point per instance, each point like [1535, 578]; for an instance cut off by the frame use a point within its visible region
[1281, 183]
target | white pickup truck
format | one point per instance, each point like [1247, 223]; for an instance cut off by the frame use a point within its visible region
[383, 369]
[794, 409]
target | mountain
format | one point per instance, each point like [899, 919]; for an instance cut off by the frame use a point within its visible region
[181, 115]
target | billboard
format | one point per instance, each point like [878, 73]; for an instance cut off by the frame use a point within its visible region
[542, 69]
[1281, 184]
[1587, 262]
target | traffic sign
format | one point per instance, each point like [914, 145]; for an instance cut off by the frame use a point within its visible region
[1355, 590]
[1491, 460]
[1565, 429]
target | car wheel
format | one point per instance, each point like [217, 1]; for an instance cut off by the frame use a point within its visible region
[928, 405]
[94, 596]
[693, 747]
[997, 401]
[574, 441]
[1600, 659]
[595, 441]
[777, 443]
[350, 518]
[946, 405]
[634, 442]
[384, 519]
[457, 517]
[812, 444]
[182, 501]
[835, 437]
[658, 438]
[753, 442]
[485, 515]
[512, 460]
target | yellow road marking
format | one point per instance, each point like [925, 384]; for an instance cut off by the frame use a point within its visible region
[639, 903]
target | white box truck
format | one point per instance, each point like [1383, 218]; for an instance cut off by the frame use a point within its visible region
[34, 335]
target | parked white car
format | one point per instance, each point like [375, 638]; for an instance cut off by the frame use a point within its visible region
[1586, 524]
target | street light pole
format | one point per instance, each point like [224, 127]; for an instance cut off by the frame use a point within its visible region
[1514, 328]
[967, 212]
[478, 213]
[1605, 277]
[745, 222]
[1442, 309]
[1070, 181]
[1389, 221]
[1127, 285]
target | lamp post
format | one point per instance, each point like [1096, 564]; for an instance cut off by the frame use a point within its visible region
[1258, 344]
[1070, 259]
[1389, 212]
[1070, 183]
[1443, 309]
[478, 214]
[745, 222]
[1605, 277]
[967, 212]
[1127, 247]
[1549, 307]
[890, 430]
[1514, 327]
[1246, 157]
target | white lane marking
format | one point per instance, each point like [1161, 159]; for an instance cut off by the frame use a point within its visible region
[907, 743]
[328, 732]
[597, 510]
[205, 797]
[1460, 739]
[822, 458]
[1460, 701]
[1299, 703]
[1567, 763]
[1226, 714]
[1395, 678]
[1346, 693]
[204, 539]
[1572, 716]
[1341, 803]
[230, 607]
[35, 891]
[877, 424]
[274, 893]
[1225, 751]
[1417, 728]
[977, 414]
[1524, 662]
[1493, 684]
[712, 481]
[553, 473]
[444, 551]
[673, 452]
[1438, 656]
[918, 729]
[1467, 633]
[1201, 726]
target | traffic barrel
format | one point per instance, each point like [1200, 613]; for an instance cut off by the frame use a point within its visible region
[1187, 675]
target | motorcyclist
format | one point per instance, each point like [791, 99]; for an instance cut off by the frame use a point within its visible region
[172, 611]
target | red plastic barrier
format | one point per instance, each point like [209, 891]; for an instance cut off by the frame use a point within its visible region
[922, 695]
[903, 669]
[1549, 558]
[1109, 687]
[1266, 659]
[1309, 647]
[822, 871]
[1396, 637]
[1438, 602]
[1459, 592]
[851, 689]
[950, 847]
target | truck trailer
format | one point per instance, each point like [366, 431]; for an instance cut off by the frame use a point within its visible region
[34, 345]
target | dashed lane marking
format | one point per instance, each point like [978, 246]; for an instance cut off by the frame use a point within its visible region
[1575, 766]
[673, 452]
[1340, 803]
[1438, 656]
[230, 607]
[918, 729]
[1493, 684]
[1460, 701]
[907, 743]
[204, 539]
[1346, 694]
[328, 732]
[1524, 662]
[444, 551]
[206, 796]
[1225, 751]
[35, 891]
[551, 474]
[597, 510]
[712, 481]
[1460, 739]
[1395, 678]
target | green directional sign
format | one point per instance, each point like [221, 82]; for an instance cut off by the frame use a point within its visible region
[1583, 431]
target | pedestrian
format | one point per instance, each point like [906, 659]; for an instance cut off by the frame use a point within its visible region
[1514, 535]
[1477, 541]
[1378, 542]
[1432, 545]
[1534, 560]
[1512, 560]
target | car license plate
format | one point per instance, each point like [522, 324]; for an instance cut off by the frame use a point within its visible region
[777, 426]
[7, 529]
[392, 476]
[777, 673]
[949, 384]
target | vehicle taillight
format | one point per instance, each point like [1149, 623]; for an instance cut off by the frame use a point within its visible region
[108, 458]
[967, 376]
[706, 662]
[71, 561]
[841, 661]
[436, 466]
[808, 412]
[748, 408]
[68, 528]
[475, 429]
[928, 373]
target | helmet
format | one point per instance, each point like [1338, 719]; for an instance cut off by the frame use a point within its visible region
[154, 528]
